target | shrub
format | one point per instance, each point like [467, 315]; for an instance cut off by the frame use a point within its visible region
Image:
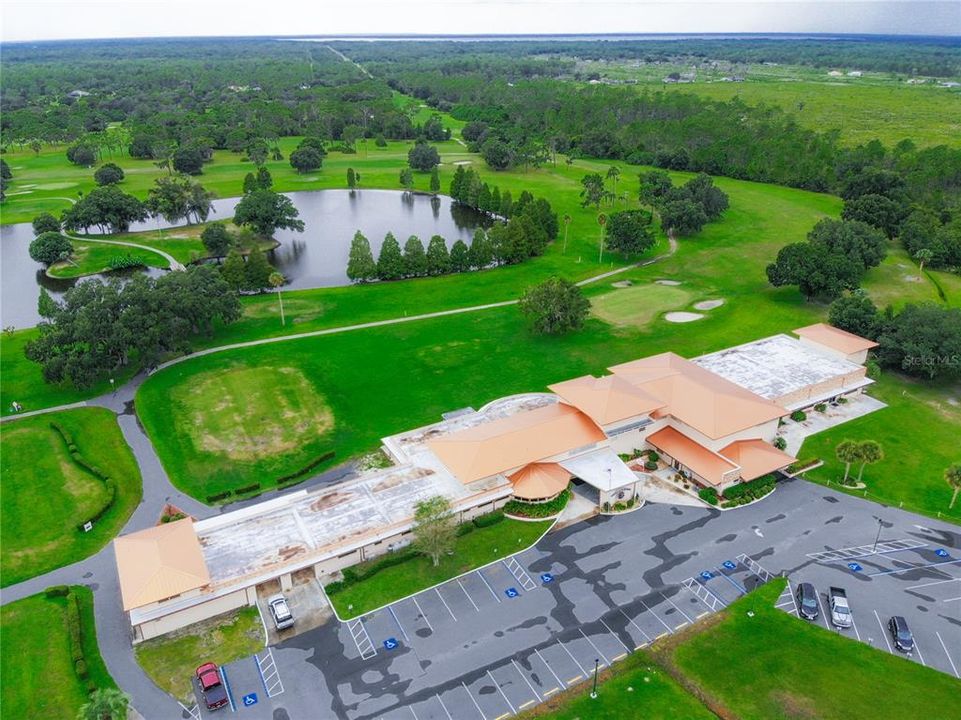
[650, 465]
[620, 507]
[56, 591]
[306, 468]
[607, 507]
[123, 262]
[842, 401]
[800, 465]
[708, 495]
[357, 573]
[745, 492]
[653, 456]
[254, 487]
[821, 407]
[538, 510]
[799, 416]
[465, 529]
[491, 518]
[211, 499]
[780, 443]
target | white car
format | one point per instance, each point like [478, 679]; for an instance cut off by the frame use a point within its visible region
[280, 612]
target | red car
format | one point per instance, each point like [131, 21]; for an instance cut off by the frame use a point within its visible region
[214, 692]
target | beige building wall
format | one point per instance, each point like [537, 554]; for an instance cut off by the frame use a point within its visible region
[859, 357]
[195, 614]
[838, 386]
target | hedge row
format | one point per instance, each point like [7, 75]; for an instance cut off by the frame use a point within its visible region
[800, 465]
[74, 631]
[306, 468]
[539, 510]
[708, 495]
[84, 464]
[285, 479]
[744, 493]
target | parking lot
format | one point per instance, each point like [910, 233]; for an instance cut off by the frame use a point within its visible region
[249, 682]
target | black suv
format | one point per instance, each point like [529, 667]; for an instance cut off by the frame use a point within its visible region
[807, 601]
[903, 640]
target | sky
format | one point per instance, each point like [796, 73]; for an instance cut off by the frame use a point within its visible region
[69, 19]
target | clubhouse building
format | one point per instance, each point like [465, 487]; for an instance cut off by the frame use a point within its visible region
[712, 420]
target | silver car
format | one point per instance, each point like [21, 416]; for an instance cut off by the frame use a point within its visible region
[280, 612]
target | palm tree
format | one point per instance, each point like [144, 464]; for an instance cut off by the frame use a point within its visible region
[276, 280]
[105, 704]
[567, 224]
[870, 452]
[922, 256]
[613, 172]
[847, 452]
[602, 221]
[953, 477]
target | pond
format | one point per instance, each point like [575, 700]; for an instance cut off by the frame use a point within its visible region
[314, 258]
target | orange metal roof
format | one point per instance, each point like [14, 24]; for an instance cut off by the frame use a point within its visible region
[698, 458]
[606, 400]
[159, 563]
[698, 397]
[835, 338]
[510, 442]
[539, 480]
[756, 458]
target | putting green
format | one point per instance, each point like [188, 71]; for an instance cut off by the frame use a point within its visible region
[639, 304]
[250, 413]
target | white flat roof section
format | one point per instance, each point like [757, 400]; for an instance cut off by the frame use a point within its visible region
[778, 366]
[601, 468]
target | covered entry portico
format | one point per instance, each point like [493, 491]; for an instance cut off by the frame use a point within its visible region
[606, 473]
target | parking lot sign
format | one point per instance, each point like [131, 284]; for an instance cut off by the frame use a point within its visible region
[729, 565]
[250, 699]
[391, 643]
[855, 567]
[511, 592]
[547, 578]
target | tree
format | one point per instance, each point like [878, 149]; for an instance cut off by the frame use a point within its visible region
[459, 257]
[602, 221]
[105, 704]
[869, 453]
[480, 254]
[390, 262]
[50, 247]
[276, 280]
[266, 212]
[264, 179]
[45, 222]
[257, 152]
[169, 198]
[712, 200]
[305, 159]
[435, 528]
[108, 174]
[141, 147]
[857, 240]
[567, 225]
[407, 179]
[360, 264]
[952, 476]
[105, 207]
[655, 184]
[351, 178]
[250, 183]
[847, 452]
[438, 259]
[923, 340]
[5, 172]
[684, 217]
[857, 314]
[233, 270]
[876, 210]
[629, 232]
[613, 173]
[423, 157]
[434, 181]
[816, 271]
[415, 259]
[217, 239]
[81, 154]
[922, 256]
[456, 182]
[507, 204]
[257, 271]
[498, 155]
[188, 159]
[592, 191]
[555, 306]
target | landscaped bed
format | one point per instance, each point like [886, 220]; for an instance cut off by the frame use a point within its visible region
[396, 577]
[549, 509]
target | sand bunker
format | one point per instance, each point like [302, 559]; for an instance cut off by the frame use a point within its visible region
[667, 282]
[682, 317]
[463, 162]
[708, 304]
[622, 284]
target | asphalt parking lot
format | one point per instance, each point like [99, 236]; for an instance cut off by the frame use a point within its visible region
[496, 641]
[250, 682]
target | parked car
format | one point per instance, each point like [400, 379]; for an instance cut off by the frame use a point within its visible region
[807, 601]
[213, 690]
[903, 639]
[280, 612]
[840, 610]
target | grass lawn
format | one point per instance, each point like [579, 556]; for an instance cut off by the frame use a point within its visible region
[636, 687]
[46, 494]
[477, 548]
[915, 431]
[639, 304]
[171, 660]
[896, 282]
[91, 258]
[773, 666]
[38, 680]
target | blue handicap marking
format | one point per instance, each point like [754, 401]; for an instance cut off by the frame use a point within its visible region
[729, 565]
[511, 592]
[855, 567]
[707, 575]
[547, 578]
[391, 644]
[250, 699]
[941, 552]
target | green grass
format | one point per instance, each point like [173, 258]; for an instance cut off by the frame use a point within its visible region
[479, 547]
[896, 282]
[915, 431]
[46, 494]
[89, 258]
[639, 304]
[171, 660]
[636, 687]
[773, 665]
[38, 680]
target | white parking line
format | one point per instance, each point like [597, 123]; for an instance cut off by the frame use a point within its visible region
[614, 634]
[855, 626]
[572, 657]
[884, 632]
[446, 711]
[929, 584]
[420, 610]
[411, 708]
[484, 579]
[397, 620]
[468, 595]
[501, 691]
[951, 599]
[824, 615]
[635, 625]
[537, 698]
[606, 661]
[666, 626]
[473, 701]
[559, 681]
[920, 655]
[675, 605]
[453, 617]
[945, 648]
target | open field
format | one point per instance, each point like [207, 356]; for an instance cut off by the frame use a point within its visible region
[170, 660]
[479, 547]
[896, 282]
[46, 494]
[38, 680]
[89, 258]
[915, 432]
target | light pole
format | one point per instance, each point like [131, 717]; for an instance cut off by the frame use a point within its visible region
[594, 690]
[878, 537]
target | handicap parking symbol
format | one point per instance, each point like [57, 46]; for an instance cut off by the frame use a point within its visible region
[250, 699]
[707, 575]
[729, 565]
[547, 578]
[391, 644]
[941, 552]
[855, 567]
[511, 592]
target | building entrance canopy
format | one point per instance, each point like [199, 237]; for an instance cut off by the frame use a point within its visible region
[601, 468]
